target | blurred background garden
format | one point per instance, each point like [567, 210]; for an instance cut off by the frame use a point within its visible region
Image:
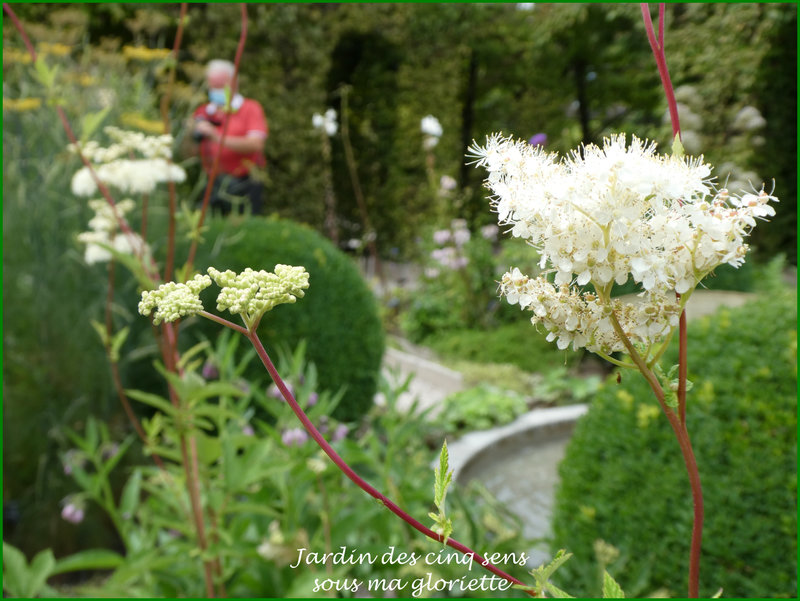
[403, 252]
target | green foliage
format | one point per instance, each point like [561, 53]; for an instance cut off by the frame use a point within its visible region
[518, 344]
[273, 493]
[742, 417]
[338, 316]
[443, 478]
[479, 408]
[24, 580]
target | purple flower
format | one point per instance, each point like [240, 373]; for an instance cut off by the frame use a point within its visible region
[72, 459]
[313, 399]
[275, 392]
[441, 236]
[339, 433]
[72, 513]
[247, 430]
[461, 236]
[210, 371]
[431, 272]
[294, 437]
[538, 140]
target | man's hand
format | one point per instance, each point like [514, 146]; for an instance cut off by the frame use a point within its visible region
[207, 129]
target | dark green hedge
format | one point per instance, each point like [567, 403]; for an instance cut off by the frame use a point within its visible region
[338, 317]
[623, 478]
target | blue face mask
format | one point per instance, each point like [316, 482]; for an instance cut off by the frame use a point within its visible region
[217, 96]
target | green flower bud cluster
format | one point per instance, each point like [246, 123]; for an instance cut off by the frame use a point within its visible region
[253, 293]
[173, 301]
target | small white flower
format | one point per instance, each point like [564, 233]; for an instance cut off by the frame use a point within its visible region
[430, 126]
[326, 122]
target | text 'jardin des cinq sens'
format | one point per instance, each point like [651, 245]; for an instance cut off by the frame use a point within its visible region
[427, 583]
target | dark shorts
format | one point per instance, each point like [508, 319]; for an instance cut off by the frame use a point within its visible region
[235, 193]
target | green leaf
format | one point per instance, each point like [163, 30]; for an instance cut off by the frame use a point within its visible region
[45, 75]
[557, 592]
[91, 559]
[92, 435]
[130, 494]
[444, 477]
[15, 571]
[611, 590]
[187, 356]
[117, 342]
[677, 148]
[101, 331]
[542, 574]
[153, 400]
[38, 572]
[91, 121]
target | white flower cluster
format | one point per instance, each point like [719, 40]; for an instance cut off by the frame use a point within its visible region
[115, 167]
[430, 126]
[326, 122]
[104, 230]
[602, 215]
[173, 301]
[584, 320]
[252, 293]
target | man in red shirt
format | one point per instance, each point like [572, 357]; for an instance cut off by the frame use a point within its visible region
[243, 147]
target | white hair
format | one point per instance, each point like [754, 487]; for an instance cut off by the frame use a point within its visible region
[220, 66]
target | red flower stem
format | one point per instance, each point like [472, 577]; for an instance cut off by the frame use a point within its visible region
[169, 264]
[360, 482]
[666, 82]
[215, 165]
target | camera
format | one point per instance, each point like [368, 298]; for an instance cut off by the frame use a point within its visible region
[199, 136]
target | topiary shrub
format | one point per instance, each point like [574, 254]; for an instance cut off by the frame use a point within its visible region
[623, 479]
[338, 317]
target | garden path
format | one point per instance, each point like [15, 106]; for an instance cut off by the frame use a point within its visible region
[432, 382]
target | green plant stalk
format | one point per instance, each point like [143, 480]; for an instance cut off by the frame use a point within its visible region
[369, 232]
[657, 46]
[360, 482]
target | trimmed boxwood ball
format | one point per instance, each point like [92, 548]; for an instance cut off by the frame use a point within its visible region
[623, 479]
[338, 317]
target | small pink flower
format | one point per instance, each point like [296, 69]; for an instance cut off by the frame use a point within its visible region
[294, 437]
[313, 399]
[72, 513]
[441, 236]
[339, 433]
[210, 371]
[247, 430]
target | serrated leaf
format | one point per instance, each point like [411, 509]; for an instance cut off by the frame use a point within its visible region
[543, 573]
[677, 148]
[444, 477]
[91, 559]
[611, 590]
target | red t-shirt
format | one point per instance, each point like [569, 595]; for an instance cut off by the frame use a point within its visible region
[246, 119]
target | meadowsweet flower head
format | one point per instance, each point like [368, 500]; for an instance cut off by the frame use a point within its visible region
[114, 166]
[607, 214]
[104, 231]
[173, 301]
[252, 293]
